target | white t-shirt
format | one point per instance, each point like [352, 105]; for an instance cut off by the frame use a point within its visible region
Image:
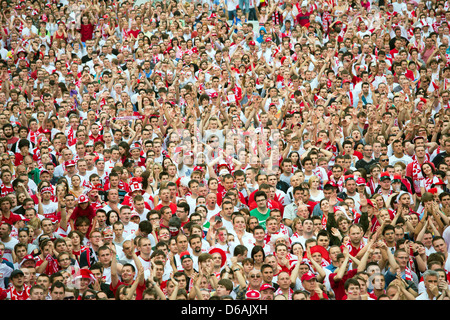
[129, 229]
[9, 248]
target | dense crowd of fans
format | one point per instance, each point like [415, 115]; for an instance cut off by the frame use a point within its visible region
[258, 150]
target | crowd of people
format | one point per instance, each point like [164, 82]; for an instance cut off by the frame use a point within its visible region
[225, 150]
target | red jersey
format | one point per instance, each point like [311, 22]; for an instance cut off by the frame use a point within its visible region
[13, 294]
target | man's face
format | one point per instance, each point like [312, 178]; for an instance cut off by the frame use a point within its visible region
[47, 227]
[267, 294]
[105, 257]
[389, 236]
[57, 293]
[323, 241]
[127, 274]
[239, 223]
[353, 291]
[267, 275]
[431, 281]
[284, 280]
[402, 259]
[182, 243]
[187, 264]
[43, 281]
[440, 246]
[125, 215]
[145, 246]
[37, 294]
[355, 234]
[196, 245]
[255, 278]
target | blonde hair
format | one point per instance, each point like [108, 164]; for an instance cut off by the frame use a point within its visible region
[313, 179]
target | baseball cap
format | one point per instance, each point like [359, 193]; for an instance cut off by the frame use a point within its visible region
[185, 255]
[28, 257]
[266, 286]
[384, 176]
[252, 295]
[16, 273]
[308, 276]
[83, 199]
[69, 163]
[134, 214]
[360, 181]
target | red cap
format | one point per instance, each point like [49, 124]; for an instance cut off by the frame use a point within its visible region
[360, 181]
[252, 295]
[185, 255]
[214, 95]
[28, 257]
[134, 214]
[385, 175]
[350, 176]
[308, 276]
[135, 186]
[83, 199]
[69, 163]
[135, 145]
[252, 43]
[266, 286]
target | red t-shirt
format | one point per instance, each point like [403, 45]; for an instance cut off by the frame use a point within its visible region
[86, 31]
[172, 206]
[139, 290]
[338, 287]
[13, 218]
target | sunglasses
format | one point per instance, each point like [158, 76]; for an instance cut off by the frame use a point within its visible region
[90, 297]
[69, 298]
[24, 229]
[253, 276]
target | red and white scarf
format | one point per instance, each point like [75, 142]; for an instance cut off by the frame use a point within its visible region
[289, 293]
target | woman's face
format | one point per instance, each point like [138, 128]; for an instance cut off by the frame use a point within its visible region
[113, 218]
[297, 250]
[76, 181]
[76, 240]
[258, 257]
[324, 205]
[23, 237]
[298, 227]
[427, 169]
[380, 202]
[294, 157]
